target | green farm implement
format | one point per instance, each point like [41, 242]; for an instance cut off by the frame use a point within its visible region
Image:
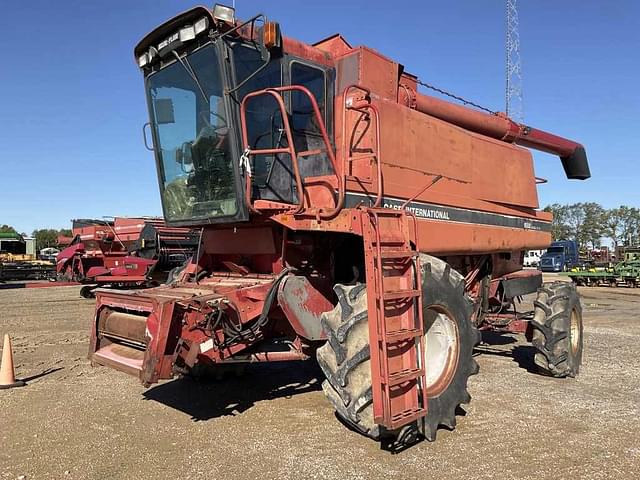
[626, 273]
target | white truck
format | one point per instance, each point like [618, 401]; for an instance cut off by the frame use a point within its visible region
[532, 258]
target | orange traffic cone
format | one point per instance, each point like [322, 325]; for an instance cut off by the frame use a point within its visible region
[7, 377]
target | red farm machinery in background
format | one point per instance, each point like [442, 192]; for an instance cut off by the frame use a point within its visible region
[123, 253]
[343, 215]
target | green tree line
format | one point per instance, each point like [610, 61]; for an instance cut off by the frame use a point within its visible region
[48, 237]
[7, 229]
[589, 223]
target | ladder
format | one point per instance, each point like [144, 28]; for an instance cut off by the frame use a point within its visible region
[394, 296]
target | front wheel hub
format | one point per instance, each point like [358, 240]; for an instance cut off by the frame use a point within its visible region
[442, 346]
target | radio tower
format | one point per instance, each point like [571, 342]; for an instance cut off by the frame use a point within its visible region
[514, 104]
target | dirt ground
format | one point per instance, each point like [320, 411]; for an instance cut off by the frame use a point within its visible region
[74, 421]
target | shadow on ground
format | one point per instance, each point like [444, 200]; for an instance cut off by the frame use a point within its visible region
[207, 398]
[522, 354]
[44, 373]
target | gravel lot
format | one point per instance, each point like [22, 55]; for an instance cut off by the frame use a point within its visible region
[74, 421]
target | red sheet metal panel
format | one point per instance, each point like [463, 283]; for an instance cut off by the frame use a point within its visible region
[474, 166]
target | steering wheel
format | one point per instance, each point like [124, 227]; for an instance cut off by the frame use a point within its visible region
[218, 116]
[219, 133]
[220, 130]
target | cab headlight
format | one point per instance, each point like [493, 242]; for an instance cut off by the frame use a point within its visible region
[190, 32]
[201, 25]
[143, 60]
[187, 33]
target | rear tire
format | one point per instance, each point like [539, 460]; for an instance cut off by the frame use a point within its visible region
[345, 357]
[557, 330]
[88, 291]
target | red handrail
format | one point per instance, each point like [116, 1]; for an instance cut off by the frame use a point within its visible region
[291, 150]
[362, 107]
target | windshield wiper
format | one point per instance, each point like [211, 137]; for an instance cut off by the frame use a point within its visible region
[187, 66]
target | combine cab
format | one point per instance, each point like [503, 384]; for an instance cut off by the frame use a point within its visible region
[123, 253]
[344, 215]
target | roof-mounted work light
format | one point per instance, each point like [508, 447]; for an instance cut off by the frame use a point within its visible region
[190, 32]
[225, 14]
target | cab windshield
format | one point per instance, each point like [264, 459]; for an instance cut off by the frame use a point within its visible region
[193, 143]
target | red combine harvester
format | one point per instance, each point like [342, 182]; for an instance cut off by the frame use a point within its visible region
[344, 215]
[123, 253]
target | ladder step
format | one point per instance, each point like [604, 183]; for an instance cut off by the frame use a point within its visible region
[406, 416]
[396, 294]
[404, 334]
[398, 254]
[389, 212]
[390, 241]
[404, 376]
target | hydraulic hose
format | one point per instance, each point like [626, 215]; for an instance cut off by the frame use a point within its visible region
[232, 332]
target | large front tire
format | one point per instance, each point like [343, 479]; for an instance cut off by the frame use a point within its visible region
[557, 330]
[446, 306]
[345, 359]
[449, 338]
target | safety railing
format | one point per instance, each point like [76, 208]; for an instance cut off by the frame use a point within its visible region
[290, 149]
[365, 107]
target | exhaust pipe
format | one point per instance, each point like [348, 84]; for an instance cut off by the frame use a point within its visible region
[572, 154]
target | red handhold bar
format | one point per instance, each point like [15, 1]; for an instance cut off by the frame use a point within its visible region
[276, 93]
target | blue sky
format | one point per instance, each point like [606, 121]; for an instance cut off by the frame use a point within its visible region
[72, 101]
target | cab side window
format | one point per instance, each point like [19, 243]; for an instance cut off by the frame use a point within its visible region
[306, 131]
[301, 109]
